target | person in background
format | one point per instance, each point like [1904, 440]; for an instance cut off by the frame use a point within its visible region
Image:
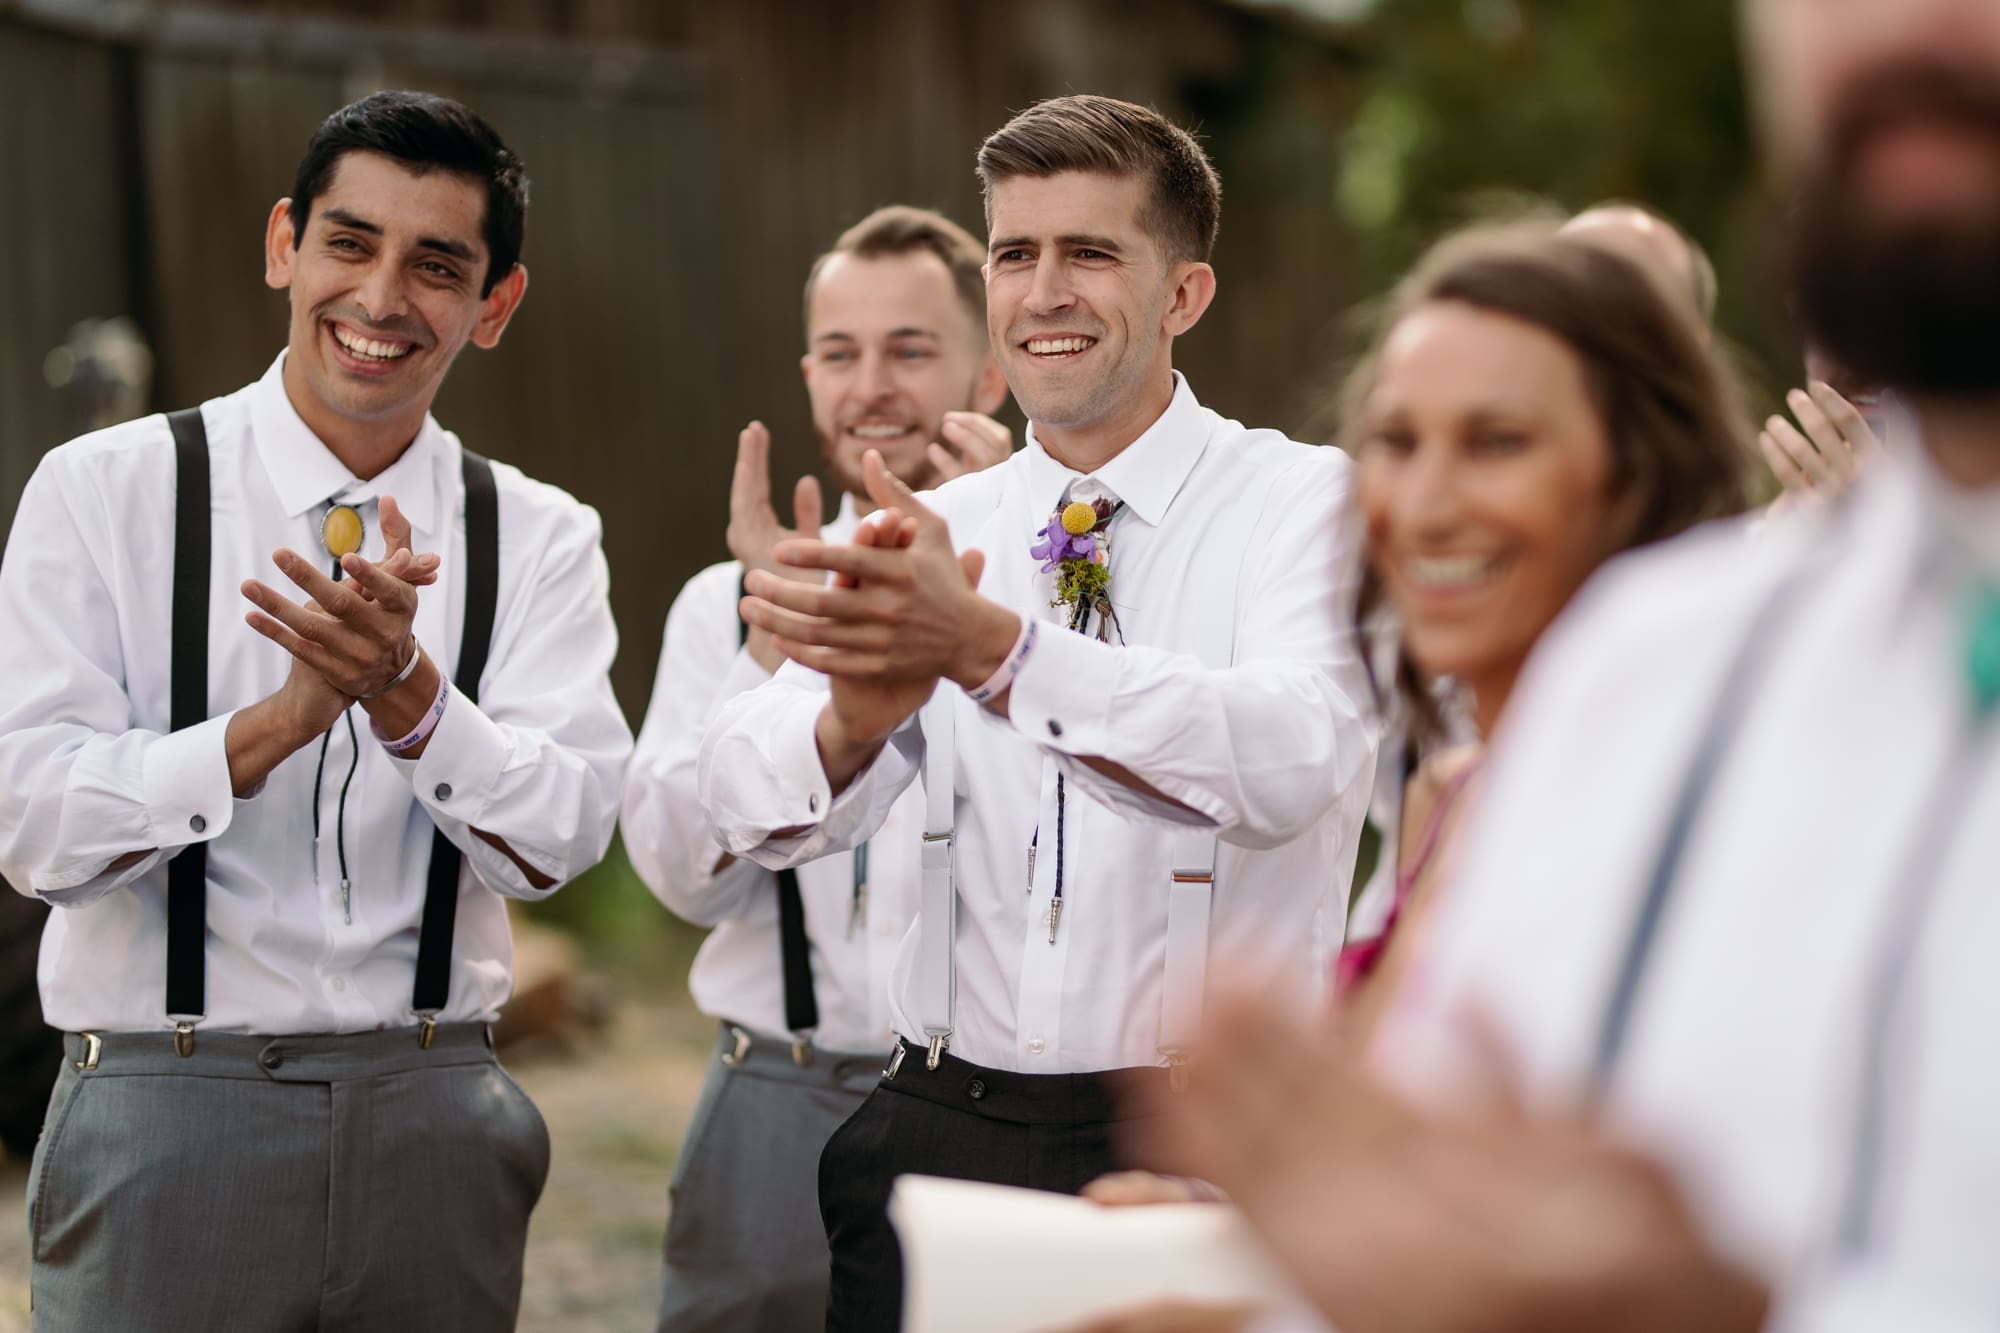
[281, 928]
[1200, 687]
[796, 969]
[1533, 406]
[1702, 1038]
[1658, 245]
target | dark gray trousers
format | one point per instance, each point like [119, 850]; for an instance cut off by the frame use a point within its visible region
[745, 1248]
[282, 1183]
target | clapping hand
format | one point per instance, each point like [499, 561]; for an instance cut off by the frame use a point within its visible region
[1818, 458]
[972, 442]
[355, 633]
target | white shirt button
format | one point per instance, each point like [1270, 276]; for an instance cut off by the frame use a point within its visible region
[1035, 1046]
[340, 983]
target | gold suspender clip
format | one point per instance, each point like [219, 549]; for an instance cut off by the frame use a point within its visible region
[184, 1039]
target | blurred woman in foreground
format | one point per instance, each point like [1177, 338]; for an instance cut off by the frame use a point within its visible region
[1533, 405]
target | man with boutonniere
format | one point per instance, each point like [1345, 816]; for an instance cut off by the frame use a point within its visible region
[1121, 661]
[280, 851]
[796, 968]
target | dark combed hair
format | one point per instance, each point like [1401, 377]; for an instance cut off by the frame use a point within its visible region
[425, 133]
[1673, 411]
[1102, 134]
[899, 230]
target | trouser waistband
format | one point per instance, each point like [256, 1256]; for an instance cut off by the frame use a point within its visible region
[749, 1050]
[299, 1058]
[1025, 1099]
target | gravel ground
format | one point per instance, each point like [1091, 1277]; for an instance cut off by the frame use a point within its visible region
[616, 1102]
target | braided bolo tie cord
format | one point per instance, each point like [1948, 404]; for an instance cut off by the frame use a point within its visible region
[340, 811]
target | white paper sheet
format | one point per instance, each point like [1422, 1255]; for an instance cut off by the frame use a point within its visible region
[991, 1259]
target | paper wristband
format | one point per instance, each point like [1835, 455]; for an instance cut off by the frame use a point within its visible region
[423, 729]
[1010, 666]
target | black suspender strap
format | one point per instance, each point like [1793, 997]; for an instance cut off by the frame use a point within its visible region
[794, 954]
[482, 596]
[187, 872]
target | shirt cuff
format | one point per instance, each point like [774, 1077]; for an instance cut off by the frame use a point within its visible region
[462, 761]
[186, 780]
[1061, 696]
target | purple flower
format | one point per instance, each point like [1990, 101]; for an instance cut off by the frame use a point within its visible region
[1053, 545]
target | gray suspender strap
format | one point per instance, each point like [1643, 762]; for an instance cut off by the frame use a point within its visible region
[187, 872]
[482, 600]
[1186, 974]
[937, 907]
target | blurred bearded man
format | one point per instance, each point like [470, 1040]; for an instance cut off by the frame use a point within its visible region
[1761, 951]
[796, 969]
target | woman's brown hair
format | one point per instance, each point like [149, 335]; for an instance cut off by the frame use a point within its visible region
[1673, 411]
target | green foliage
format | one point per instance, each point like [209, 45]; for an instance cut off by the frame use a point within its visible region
[1081, 583]
[623, 930]
[1464, 102]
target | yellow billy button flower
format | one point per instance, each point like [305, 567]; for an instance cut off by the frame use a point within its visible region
[1078, 518]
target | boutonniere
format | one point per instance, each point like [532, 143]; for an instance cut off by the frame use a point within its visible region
[1075, 546]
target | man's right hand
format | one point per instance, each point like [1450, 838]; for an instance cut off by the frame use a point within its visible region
[861, 714]
[265, 734]
[754, 529]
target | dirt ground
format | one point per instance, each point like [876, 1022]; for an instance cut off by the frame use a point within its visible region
[616, 1102]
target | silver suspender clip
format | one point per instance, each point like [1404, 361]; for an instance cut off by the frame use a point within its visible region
[92, 1048]
[740, 1047]
[938, 1039]
[426, 1029]
[895, 1061]
[184, 1038]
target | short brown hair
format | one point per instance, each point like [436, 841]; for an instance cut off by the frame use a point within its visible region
[1102, 134]
[1673, 411]
[902, 230]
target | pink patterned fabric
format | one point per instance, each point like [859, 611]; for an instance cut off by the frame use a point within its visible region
[1358, 958]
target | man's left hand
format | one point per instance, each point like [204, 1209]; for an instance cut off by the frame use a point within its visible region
[357, 636]
[893, 612]
[1172, 1316]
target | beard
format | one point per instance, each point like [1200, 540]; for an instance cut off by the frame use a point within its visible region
[1911, 302]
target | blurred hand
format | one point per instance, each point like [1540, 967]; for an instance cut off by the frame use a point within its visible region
[1132, 1189]
[1819, 457]
[973, 442]
[1173, 1316]
[754, 529]
[1484, 1219]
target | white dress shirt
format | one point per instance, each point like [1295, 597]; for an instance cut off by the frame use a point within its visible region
[1743, 1066]
[89, 771]
[737, 976]
[1275, 752]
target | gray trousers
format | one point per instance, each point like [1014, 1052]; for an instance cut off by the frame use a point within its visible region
[745, 1246]
[281, 1183]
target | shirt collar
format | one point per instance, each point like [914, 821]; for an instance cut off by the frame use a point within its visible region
[1148, 473]
[845, 520]
[304, 472]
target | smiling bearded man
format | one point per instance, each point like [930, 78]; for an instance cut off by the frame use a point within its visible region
[1179, 762]
[281, 930]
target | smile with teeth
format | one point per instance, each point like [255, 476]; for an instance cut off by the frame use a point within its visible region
[879, 430]
[370, 349]
[1450, 571]
[1058, 346]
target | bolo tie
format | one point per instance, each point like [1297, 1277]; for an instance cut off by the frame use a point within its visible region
[340, 534]
[1079, 623]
